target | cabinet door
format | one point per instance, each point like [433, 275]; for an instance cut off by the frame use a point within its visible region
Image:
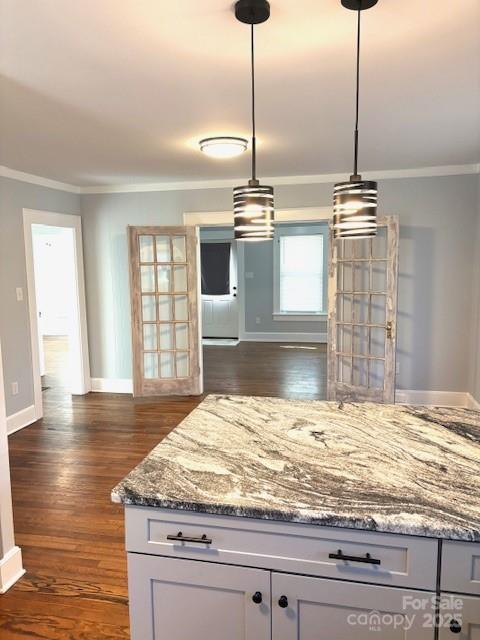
[459, 617]
[313, 608]
[190, 600]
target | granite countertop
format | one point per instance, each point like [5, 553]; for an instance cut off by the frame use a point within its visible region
[391, 468]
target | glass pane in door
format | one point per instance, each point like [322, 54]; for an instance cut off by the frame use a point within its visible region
[150, 337]
[146, 248]
[164, 278]
[163, 249]
[179, 249]
[166, 364]
[150, 365]
[148, 309]
[166, 336]
[147, 279]
[182, 364]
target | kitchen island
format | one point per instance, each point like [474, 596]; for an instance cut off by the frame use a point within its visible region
[264, 518]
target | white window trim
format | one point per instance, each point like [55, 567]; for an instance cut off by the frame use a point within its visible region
[286, 316]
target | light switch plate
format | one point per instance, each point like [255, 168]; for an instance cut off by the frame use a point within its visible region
[19, 291]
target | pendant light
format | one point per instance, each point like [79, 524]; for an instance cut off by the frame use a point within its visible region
[355, 201]
[253, 209]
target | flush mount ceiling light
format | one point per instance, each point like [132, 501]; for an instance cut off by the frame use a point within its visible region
[355, 201]
[253, 209]
[223, 146]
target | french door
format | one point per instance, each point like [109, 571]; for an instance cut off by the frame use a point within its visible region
[362, 299]
[164, 302]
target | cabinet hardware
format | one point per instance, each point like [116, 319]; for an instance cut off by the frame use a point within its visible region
[283, 602]
[180, 537]
[257, 597]
[455, 626]
[367, 559]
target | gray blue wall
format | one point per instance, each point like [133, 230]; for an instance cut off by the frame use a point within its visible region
[437, 216]
[14, 319]
[437, 321]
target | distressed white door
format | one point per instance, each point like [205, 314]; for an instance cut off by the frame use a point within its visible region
[220, 313]
[362, 316]
[313, 608]
[164, 300]
[173, 599]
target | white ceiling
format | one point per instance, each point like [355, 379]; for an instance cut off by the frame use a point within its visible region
[109, 92]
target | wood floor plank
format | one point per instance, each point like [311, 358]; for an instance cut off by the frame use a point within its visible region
[65, 465]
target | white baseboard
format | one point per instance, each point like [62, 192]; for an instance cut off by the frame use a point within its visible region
[112, 385]
[11, 569]
[434, 398]
[278, 336]
[21, 419]
[472, 403]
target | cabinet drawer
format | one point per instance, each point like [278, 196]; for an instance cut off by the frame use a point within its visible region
[461, 567]
[404, 561]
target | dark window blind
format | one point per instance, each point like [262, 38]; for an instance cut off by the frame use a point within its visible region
[215, 259]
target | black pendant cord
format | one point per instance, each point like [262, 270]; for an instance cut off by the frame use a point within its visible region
[357, 99]
[254, 140]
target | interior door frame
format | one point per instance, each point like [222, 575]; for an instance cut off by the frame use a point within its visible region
[225, 218]
[81, 383]
[235, 249]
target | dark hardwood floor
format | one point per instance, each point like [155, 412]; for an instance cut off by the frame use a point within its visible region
[64, 466]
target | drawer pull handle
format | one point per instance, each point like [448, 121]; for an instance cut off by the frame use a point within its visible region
[257, 597]
[455, 626]
[181, 538]
[366, 559]
[283, 602]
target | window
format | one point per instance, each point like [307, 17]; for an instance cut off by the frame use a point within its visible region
[299, 268]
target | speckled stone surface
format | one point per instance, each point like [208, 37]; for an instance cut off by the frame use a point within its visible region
[399, 469]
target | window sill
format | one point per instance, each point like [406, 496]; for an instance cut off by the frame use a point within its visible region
[299, 317]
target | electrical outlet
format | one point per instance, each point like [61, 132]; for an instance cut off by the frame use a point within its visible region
[258, 320]
[14, 388]
[19, 292]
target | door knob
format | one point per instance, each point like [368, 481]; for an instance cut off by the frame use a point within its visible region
[257, 597]
[283, 602]
[455, 626]
[389, 329]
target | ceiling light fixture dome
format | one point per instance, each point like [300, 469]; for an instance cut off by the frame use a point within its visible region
[355, 201]
[253, 203]
[223, 146]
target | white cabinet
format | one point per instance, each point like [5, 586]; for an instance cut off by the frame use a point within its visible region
[312, 608]
[186, 599]
[462, 620]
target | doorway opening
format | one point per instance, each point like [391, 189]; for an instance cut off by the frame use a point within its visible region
[219, 286]
[53, 262]
[56, 298]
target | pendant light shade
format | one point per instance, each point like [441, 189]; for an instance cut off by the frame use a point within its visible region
[355, 202]
[355, 209]
[253, 212]
[253, 203]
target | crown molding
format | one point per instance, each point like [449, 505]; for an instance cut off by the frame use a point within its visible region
[13, 174]
[390, 174]
[425, 172]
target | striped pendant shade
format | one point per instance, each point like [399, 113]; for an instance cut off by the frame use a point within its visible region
[355, 209]
[253, 212]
